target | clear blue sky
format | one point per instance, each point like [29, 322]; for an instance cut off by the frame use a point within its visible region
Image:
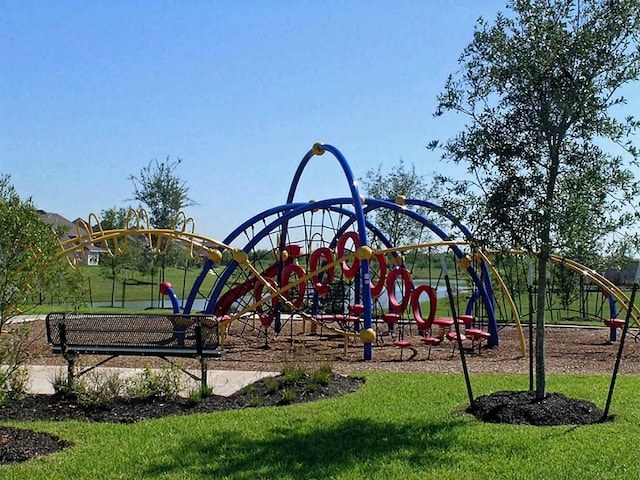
[91, 91]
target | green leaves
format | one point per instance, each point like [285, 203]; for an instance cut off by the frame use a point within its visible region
[539, 86]
[27, 246]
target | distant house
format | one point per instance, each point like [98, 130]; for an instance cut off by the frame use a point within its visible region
[71, 230]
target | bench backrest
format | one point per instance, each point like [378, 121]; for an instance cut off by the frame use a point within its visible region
[131, 331]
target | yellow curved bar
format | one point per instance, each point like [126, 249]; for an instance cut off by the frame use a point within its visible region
[602, 282]
[512, 305]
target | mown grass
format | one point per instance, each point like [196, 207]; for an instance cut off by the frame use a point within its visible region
[398, 426]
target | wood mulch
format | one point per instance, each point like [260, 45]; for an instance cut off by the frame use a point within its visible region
[568, 350]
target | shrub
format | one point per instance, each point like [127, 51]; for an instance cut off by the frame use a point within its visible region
[166, 382]
[97, 388]
[14, 353]
[273, 384]
[247, 389]
[292, 375]
[322, 376]
[288, 395]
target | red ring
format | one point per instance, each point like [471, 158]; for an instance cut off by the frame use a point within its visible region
[266, 314]
[424, 325]
[376, 289]
[349, 271]
[399, 307]
[298, 271]
[321, 287]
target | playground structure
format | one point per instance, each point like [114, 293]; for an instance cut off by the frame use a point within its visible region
[327, 265]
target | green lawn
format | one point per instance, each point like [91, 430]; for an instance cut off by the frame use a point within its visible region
[137, 287]
[398, 426]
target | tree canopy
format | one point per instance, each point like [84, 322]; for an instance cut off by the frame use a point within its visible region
[27, 247]
[547, 145]
[398, 181]
[162, 191]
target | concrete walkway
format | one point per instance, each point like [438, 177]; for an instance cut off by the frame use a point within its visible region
[223, 382]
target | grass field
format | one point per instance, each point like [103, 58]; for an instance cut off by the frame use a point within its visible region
[97, 294]
[97, 288]
[398, 426]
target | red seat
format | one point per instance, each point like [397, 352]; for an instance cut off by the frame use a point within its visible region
[466, 319]
[445, 325]
[614, 322]
[476, 334]
[356, 309]
[402, 344]
[443, 321]
[390, 318]
[453, 336]
[430, 342]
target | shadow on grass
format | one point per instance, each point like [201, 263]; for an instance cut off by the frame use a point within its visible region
[325, 451]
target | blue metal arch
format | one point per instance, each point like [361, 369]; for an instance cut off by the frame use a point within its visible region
[291, 210]
[320, 149]
[290, 213]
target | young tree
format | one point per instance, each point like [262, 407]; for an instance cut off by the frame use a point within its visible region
[27, 247]
[162, 191]
[389, 185]
[538, 88]
[114, 219]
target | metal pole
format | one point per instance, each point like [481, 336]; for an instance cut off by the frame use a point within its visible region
[456, 324]
[621, 346]
[530, 286]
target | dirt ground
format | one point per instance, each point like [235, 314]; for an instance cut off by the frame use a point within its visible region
[569, 350]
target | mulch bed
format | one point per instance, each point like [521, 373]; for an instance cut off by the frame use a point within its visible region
[18, 445]
[569, 351]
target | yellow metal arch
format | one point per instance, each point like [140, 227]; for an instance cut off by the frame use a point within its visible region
[114, 242]
[602, 282]
[158, 240]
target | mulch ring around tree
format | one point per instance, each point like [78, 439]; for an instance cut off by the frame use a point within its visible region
[522, 408]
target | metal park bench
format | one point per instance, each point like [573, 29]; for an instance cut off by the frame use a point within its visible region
[163, 336]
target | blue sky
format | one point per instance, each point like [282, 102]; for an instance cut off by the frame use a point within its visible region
[239, 90]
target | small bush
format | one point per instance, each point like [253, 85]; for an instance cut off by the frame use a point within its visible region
[97, 388]
[247, 389]
[322, 376]
[288, 395]
[292, 375]
[273, 384]
[14, 353]
[60, 383]
[166, 382]
[206, 391]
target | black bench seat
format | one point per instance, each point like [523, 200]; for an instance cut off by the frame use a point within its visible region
[173, 335]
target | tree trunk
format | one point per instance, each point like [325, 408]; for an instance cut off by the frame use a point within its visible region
[541, 373]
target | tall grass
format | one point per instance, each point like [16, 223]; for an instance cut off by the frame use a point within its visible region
[398, 426]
